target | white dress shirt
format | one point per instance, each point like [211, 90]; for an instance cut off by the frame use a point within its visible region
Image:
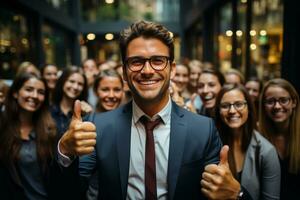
[136, 178]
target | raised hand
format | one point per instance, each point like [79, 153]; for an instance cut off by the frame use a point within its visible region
[217, 180]
[80, 138]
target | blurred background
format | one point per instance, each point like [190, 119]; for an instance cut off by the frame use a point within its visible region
[257, 37]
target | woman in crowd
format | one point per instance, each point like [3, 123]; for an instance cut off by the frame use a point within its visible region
[234, 76]
[195, 67]
[28, 67]
[28, 143]
[3, 92]
[109, 88]
[254, 87]
[252, 159]
[279, 121]
[49, 73]
[181, 80]
[209, 85]
[71, 85]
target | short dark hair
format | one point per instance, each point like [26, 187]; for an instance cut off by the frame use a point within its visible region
[146, 30]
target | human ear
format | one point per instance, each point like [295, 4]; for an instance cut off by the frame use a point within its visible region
[173, 70]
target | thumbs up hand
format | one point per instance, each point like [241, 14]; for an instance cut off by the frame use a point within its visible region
[80, 138]
[217, 180]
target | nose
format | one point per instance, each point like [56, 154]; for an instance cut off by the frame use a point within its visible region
[147, 68]
[205, 89]
[250, 92]
[76, 86]
[34, 94]
[180, 79]
[111, 93]
[277, 104]
[232, 109]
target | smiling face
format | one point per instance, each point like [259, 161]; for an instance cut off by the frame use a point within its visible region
[253, 89]
[73, 86]
[279, 112]
[50, 75]
[149, 86]
[31, 95]
[110, 92]
[236, 116]
[195, 72]
[181, 78]
[208, 89]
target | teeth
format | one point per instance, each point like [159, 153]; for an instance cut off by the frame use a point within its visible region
[233, 118]
[147, 82]
[208, 97]
[32, 103]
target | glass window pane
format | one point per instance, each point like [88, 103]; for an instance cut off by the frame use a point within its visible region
[241, 35]
[14, 42]
[56, 46]
[225, 37]
[266, 37]
[131, 10]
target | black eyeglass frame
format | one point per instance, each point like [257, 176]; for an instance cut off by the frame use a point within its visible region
[267, 102]
[244, 103]
[150, 61]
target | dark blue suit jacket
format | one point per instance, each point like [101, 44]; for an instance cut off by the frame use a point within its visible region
[194, 143]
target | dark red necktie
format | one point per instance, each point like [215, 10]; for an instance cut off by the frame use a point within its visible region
[150, 169]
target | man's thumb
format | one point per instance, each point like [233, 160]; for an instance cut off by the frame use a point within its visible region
[224, 155]
[77, 111]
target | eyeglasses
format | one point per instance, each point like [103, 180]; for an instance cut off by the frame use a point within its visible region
[238, 105]
[137, 63]
[283, 101]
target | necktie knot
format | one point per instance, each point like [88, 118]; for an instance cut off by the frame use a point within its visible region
[150, 125]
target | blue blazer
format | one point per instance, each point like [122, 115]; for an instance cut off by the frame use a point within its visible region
[194, 143]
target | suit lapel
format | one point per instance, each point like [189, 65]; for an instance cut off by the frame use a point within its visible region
[177, 141]
[123, 144]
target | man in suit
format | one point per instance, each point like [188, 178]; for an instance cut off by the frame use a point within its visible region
[115, 143]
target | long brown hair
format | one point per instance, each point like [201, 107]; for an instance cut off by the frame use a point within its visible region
[267, 127]
[224, 130]
[44, 127]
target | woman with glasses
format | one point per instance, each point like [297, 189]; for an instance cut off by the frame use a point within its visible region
[252, 160]
[279, 121]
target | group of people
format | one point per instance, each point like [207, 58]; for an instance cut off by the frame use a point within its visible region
[178, 131]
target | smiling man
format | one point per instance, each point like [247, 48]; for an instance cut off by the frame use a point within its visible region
[134, 160]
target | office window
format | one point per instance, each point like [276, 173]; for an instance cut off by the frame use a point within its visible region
[14, 42]
[130, 10]
[267, 37]
[225, 37]
[56, 46]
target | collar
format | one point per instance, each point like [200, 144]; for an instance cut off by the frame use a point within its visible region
[164, 114]
[56, 110]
